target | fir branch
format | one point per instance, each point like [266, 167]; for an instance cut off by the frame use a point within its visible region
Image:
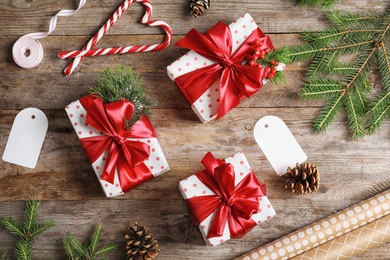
[27, 231]
[355, 115]
[23, 250]
[76, 250]
[344, 20]
[384, 66]
[3, 256]
[279, 79]
[13, 227]
[323, 3]
[364, 38]
[379, 111]
[320, 89]
[122, 84]
[327, 114]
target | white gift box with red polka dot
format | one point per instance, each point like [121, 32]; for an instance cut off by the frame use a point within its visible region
[206, 107]
[192, 186]
[156, 162]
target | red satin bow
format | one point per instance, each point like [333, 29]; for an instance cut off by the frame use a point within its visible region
[236, 80]
[124, 155]
[236, 204]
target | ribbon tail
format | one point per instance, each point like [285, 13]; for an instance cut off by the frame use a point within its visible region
[129, 176]
[109, 168]
[219, 221]
[239, 227]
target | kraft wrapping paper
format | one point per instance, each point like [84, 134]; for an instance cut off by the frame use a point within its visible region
[353, 243]
[324, 230]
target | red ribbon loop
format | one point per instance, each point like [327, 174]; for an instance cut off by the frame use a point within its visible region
[235, 204]
[126, 156]
[236, 80]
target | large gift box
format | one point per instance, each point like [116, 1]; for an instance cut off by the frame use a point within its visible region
[121, 158]
[225, 199]
[212, 76]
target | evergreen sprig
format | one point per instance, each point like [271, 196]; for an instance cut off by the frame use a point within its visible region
[26, 231]
[342, 60]
[76, 250]
[324, 3]
[122, 84]
[3, 256]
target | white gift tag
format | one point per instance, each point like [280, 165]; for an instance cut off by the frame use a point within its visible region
[278, 144]
[26, 138]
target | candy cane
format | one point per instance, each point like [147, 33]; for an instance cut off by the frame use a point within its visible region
[87, 51]
[28, 51]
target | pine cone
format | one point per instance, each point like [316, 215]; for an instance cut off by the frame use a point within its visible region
[140, 245]
[198, 7]
[304, 178]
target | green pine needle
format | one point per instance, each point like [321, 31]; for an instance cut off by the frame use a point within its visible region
[122, 84]
[323, 3]
[23, 250]
[342, 60]
[3, 256]
[318, 89]
[27, 231]
[76, 250]
[327, 114]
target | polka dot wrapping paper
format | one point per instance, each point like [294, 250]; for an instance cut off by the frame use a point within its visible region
[206, 106]
[346, 233]
[192, 187]
[156, 163]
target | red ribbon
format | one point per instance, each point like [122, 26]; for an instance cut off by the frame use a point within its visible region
[236, 204]
[236, 80]
[126, 156]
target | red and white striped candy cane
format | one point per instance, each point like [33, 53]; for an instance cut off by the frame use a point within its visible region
[87, 51]
[29, 42]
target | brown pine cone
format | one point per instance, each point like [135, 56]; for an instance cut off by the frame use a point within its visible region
[304, 178]
[198, 7]
[140, 245]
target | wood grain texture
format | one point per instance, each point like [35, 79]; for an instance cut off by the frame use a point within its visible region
[65, 183]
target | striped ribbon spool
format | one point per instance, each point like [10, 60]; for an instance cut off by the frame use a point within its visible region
[27, 51]
[87, 51]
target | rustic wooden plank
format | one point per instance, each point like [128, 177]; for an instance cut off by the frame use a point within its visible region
[63, 172]
[280, 16]
[169, 222]
[46, 90]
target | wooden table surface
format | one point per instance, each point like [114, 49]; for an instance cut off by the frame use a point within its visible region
[64, 181]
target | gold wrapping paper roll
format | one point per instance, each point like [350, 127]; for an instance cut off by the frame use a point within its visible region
[353, 243]
[324, 230]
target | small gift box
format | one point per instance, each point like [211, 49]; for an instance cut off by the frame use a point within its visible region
[121, 158]
[226, 199]
[213, 76]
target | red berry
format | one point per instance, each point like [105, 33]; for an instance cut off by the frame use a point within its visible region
[276, 63]
[254, 48]
[262, 52]
[248, 57]
[262, 56]
[257, 42]
[255, 57]
[270, 75]
[258, 65]
[252, 63]
[267, 50]
[273, 71]
[267, 69]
